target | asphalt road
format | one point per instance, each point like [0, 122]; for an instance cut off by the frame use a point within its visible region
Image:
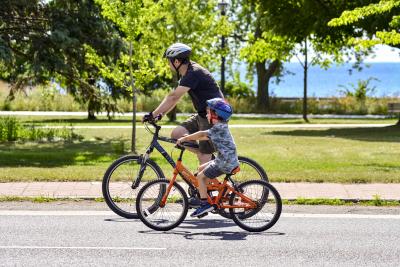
[69, 236]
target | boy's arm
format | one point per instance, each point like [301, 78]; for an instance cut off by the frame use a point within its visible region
[200, 135]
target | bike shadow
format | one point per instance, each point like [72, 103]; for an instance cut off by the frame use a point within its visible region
[213, 235]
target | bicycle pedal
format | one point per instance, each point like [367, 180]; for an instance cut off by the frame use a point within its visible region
[202, 215]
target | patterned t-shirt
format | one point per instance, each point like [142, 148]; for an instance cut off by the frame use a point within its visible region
[223, 142]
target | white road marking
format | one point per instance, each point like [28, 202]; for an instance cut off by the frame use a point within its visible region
[349, 216]
[80, 248]
[110, 213]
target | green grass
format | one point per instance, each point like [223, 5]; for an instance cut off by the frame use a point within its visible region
[339, 202]
[39, 199]
[121, 120]
[300, 201]
[355, 155]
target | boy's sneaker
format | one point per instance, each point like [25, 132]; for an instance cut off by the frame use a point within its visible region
[194, 202]
[204, 207]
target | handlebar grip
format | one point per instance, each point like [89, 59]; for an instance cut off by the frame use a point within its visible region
[188, 144]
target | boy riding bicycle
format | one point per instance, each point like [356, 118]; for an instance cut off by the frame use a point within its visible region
[218, 114]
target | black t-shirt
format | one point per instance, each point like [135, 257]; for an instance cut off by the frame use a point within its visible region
[202, 86]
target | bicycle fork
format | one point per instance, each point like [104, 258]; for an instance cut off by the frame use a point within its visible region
[143, 159]
[171, 183]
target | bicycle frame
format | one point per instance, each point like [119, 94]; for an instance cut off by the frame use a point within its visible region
[178, 167]
[191, 180]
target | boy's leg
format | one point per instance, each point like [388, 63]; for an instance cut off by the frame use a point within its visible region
[204, 205]
[210, 171]
[194, 201]
[202, 178]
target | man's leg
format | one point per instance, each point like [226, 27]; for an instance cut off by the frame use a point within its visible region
[180, 131]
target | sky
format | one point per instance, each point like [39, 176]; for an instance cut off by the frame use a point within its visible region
[385, 53]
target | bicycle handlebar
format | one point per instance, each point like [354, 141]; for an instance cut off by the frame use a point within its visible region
[171, 140]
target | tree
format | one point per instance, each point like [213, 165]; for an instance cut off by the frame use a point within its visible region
[56, 40]
[308, 28]
[263, 50]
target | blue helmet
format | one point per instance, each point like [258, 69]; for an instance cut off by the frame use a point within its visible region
[220, 107]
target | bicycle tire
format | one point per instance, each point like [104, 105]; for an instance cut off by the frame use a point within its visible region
[146, 194]
[262, 215]
[244, 175]
[124, 208]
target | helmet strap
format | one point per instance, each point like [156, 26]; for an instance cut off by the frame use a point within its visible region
[176, 68]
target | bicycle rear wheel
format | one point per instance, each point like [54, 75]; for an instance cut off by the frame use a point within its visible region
[119, 178]
[269, 206]
[249, 170]
[161, 218]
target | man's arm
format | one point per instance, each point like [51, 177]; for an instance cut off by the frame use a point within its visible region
[200, 135]
[170, 100]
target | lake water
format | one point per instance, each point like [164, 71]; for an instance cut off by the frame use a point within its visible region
[326, 83]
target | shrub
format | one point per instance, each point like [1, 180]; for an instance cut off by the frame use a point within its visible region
[12, 130]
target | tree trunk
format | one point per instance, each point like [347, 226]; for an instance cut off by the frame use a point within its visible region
[264, 75]
[91, 110]
[133, 137]
[172, 115]
[262, 99]
[305, 83]
[271, 71]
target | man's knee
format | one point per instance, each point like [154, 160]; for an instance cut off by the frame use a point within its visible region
[204, 158]
[178, 132]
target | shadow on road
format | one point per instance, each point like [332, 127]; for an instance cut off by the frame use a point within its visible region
[210, 235]
[218, 235]
[121, 220]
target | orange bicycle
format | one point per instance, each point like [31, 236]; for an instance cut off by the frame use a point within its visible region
[254, 205]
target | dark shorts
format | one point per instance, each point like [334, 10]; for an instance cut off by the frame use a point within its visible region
[212, 171]
[197, 123]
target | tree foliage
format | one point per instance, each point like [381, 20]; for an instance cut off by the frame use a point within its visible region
[59, 40]
[385, 16]
[152, 26]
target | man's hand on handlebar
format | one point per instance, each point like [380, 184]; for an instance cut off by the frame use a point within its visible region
[150, 118]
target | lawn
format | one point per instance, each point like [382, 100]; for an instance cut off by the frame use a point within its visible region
[123, 120]
[355, 155]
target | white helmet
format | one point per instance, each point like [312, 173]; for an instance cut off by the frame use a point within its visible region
[178, 50]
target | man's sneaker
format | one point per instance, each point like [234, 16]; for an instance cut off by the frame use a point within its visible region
[206, 207]
[194, 202]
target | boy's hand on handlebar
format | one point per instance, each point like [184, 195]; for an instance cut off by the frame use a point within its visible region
[180, 141]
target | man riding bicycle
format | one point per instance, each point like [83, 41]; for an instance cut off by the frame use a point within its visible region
[201, 86]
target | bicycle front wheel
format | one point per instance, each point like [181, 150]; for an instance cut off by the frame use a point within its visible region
[267, 212]
[168, 216]
[119, 178]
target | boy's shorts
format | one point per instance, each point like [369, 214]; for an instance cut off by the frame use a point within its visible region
[197, 123]
[212, 171]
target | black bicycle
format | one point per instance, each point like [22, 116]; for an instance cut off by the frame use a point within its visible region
[122, 180]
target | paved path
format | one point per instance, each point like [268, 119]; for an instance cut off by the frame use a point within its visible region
[291, 126]
[287, 190]
[129, 114]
